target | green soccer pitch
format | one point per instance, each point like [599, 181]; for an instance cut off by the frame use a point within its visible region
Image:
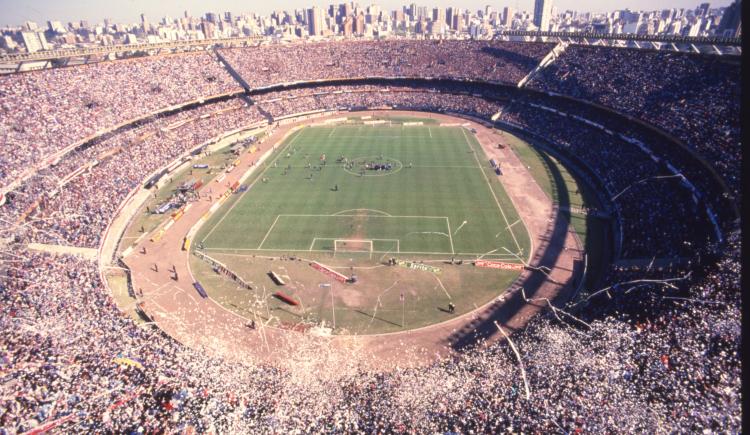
[439, 199]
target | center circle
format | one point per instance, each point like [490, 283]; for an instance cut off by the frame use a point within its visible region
[373, 166]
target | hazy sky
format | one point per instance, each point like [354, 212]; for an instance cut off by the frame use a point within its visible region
[14, 12]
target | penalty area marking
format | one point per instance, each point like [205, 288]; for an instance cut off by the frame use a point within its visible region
[341, 214]
[315, 239]
[344, 212]
[281, 152]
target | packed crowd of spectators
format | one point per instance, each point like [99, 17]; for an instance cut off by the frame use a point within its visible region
[655, 348]
[673, 363]
[657, 214]
[694, 97]
[77, 213]
[497, 61]
[439, 99]
[43, 112]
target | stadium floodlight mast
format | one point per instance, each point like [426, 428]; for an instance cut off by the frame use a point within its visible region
[333, 305]
[403, 311]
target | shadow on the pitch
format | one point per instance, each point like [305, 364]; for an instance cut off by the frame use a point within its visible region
[483, 327]
[377, 318]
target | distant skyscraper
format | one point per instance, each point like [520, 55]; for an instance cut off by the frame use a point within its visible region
[507, 16]
[359, 24]
[731, 21]
[542, 14]
[34, 41]
[212, 17]
[438, 14]
[348, 26]
[315, 21]
[144, 23]
[457, 23]
[703, 10]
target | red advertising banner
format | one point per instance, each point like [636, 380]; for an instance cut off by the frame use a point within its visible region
[498, 265]
[328, 271]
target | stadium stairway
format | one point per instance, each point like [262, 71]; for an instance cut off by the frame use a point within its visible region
[232, 72]
[245, 85]
[556, 52]
[263, 111]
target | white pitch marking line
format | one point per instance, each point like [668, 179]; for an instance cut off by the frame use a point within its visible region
[489, 186]
[385, 136]
[442, 286]
[487, 253]
[508, 227]
[459, 227]
[269, 232]
[450, 237]
[358, 215]
[222, 251]
[281, 152]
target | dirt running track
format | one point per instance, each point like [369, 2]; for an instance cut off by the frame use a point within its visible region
[203, 323]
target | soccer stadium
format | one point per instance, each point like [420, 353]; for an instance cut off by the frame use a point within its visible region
[376, 236]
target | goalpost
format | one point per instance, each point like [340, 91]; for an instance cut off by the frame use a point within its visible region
[353, 245]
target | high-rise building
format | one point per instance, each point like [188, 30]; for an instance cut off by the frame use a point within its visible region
[212, 17]
[315, 21]
[438, 15]
[34, 41]
[457, 23]
[399, 16]
[702, 10]
[731, 22]
[345, 9]
[359, 24]
[542, 14]
[348, 26]
[209, 29]
[507, 16]
[144, 23]
[413, 11]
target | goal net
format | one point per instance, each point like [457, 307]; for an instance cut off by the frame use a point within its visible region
[353, 245]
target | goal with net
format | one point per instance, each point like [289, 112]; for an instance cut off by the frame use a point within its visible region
[353, 245]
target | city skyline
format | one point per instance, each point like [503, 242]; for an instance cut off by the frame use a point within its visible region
[17, 11]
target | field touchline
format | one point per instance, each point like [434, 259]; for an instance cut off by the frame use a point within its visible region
[459, 227]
